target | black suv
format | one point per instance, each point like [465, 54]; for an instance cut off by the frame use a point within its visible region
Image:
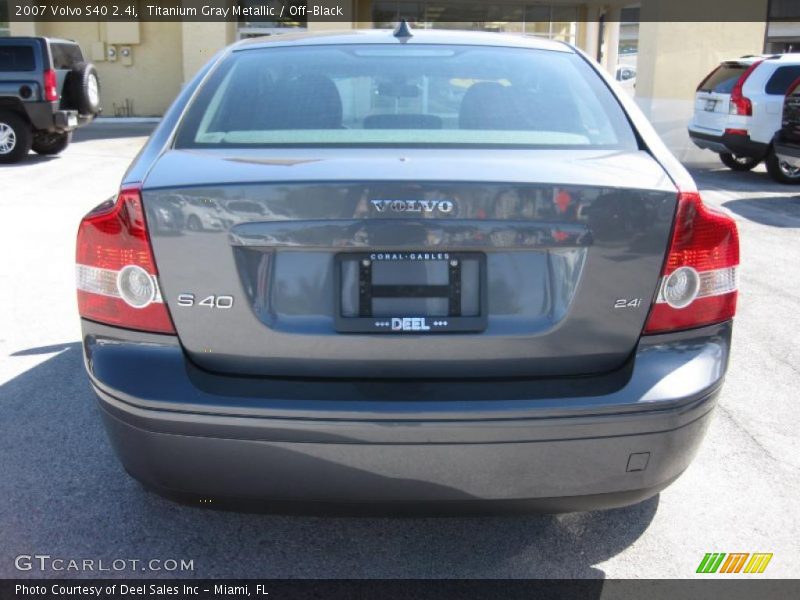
[787, 139]
[47, 89]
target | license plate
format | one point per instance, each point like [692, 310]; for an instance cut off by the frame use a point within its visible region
[417, 292]
[711, 105]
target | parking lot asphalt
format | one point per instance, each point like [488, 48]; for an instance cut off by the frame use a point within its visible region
[63, 493]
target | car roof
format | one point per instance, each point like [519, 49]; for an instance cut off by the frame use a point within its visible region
[790, 58]
[36, 38]
[386, 36]
[61, 41]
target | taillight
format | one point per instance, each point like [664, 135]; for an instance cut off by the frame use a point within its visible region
[116, 274]
[740, 105]
[698, 283]
[793, 86]
[50, 86]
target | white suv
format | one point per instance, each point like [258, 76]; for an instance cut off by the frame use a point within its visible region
[738, 109]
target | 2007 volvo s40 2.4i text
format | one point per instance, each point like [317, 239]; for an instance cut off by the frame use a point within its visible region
[406, 267]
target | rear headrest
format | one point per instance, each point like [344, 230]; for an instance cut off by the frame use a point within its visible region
[489, 105]
[306, 102]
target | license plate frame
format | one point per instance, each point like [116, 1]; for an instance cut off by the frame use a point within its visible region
[419, 324]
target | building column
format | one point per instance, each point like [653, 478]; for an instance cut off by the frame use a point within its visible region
[611, 39]
[592, 31]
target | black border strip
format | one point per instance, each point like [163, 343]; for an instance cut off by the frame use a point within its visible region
[301, 12]
[705, 587]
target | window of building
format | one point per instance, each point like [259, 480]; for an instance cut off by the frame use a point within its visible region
[785, 46]
[557, 22]
[629, 32]
[784, 9]
[4, 28]
[783, 27]
[270, 17]
[553, 22]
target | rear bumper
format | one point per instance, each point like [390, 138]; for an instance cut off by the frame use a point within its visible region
[554, 445]
[46, 116]
[739, 145]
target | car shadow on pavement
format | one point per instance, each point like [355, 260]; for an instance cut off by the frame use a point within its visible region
[781, 212]
[66, 495]
[722, 178]
[30, 159]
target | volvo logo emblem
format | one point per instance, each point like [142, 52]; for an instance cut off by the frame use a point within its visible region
[444, 207]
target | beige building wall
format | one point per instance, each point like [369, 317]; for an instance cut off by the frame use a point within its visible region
[20, 28]
[674, 57]
[201, 41]
[149, 78]
[156, 67]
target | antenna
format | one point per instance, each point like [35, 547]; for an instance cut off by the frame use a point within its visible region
[403, 31]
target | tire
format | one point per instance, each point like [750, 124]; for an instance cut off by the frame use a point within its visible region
[193, 223]
[83, 87]
[15, 137]
[781, 171]
[738, 163]
[51, 143]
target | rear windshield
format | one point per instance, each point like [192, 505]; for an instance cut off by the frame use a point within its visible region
[16, 58]
[65, 56]
[722, 79]
[417, 95]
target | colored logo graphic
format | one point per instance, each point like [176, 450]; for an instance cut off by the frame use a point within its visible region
[737, 562]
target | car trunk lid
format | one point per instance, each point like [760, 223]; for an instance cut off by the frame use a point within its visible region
[558, 257]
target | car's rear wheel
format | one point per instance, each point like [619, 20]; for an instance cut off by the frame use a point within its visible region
[15, 137]
[193, 223]
[781, 171]
[738, 163]
[51, 143]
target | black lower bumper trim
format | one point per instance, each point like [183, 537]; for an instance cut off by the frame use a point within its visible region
[738, 145]
[427, 508]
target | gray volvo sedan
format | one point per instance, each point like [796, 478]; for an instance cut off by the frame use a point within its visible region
[413, 267]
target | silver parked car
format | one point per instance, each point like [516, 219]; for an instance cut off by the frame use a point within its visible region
[454, 267]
